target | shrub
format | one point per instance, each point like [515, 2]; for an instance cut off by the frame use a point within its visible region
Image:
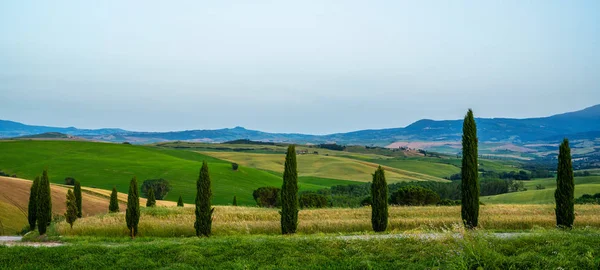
[267, 196]
[447, 202]
[367, 201]
[415, 196]
[234, 166]
[312, 200]
[539, 187]
[588, 199]
[69, 181]
[160, 187]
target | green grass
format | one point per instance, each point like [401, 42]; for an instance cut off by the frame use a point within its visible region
[422, 165]
[583, 185]
[105, 165]
[542, 250]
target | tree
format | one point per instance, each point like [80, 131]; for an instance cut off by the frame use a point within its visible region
[312, 200]
[379, 205]
[113, 207]
[151, 201]
[44, 204]
[77, 191]
[469, 173]
[234, 166]
[414, 195]
[160, 187]
[289, 193]
[180, 202]
[71, 214]
[133, 208]
[32, 208]
[234, 200]
[267, 196]
[204, 211]
[565, 187]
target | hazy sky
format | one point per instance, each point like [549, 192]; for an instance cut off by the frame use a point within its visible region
[293, 66]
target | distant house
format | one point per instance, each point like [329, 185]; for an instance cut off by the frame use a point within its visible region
[301, 152]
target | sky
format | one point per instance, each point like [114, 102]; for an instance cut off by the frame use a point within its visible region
[306, 66]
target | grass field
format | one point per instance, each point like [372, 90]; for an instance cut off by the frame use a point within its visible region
[583, 185]
[421, 165]
[105, 165]
[543, 250]
[324, 166]
[230, 220]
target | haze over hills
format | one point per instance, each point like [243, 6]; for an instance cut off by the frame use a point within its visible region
[583, 124]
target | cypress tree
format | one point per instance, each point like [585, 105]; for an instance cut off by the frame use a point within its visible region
[77, 191]
[32, 208]
[151, 201]
[289, 193]
[204, 211]
[180, 202]
[44, 204]
[469, 173]
[71, 214]
[379, 206]
[565, 187]
[113, 207]
[133, 208]
[234, 200]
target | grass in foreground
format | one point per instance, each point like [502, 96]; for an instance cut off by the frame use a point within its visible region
[547, 250]
[229, 220]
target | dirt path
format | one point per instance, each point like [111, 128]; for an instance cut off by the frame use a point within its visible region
[427, 236]
[13, 241]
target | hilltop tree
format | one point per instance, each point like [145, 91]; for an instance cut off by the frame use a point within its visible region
[379, 205]
[151, 201]
[565, 187]
[133, 208]
[469, 173]
[113, 207]
[71, 214]
[289, 193]
[204, 211]
[77, 191]
[234, 200]
[32, 208]
[180, 202]
[44, 204]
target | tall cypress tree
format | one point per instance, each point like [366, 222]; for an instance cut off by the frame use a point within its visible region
[565, 187]
[77, 192]
[289, 193]
[469, 173]
[204, 211]
[151, 201]
[113, 207]
[133, 208]
[180, 202]
[379, 206]
[71, 214]
[32, 208]
[44, 204]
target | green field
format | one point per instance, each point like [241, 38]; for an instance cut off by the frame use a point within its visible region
[421, 165]
[583, 185]
[105, 165]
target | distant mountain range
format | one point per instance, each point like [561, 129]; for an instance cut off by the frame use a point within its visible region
[583, 124]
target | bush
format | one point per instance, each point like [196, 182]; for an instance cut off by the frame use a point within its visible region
[414, 195]
[367, 201]
[267, 196]
[446, 202]
[234, 166]
[312, 200]
[161, 188]
[70, 181]
[588, 199]
[539, 187]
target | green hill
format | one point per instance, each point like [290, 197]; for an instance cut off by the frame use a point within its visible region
[583, 185]
[105, 165]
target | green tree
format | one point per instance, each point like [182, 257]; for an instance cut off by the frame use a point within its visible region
[180, 202]
[71, 214]
[565, 187]
[204, 211]
[77, 191]
[151, 201]
[44, 209]
[234, 200]
[133, 208]
[469, 173]
[379, 205]
[32, 208]
[113, 207]
[289, 193]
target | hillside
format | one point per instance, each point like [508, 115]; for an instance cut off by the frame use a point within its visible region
[104, 165]
[14, 200]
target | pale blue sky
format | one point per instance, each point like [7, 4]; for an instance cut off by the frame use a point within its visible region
[293, 66]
